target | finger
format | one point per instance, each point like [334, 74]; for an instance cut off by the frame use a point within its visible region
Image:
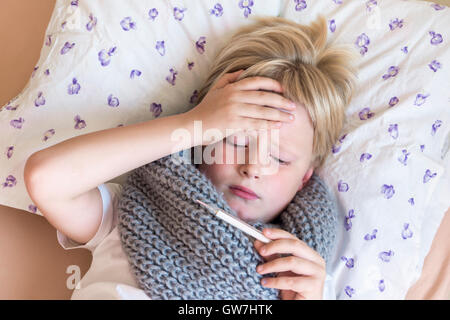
[288, 244]
[255, 111]
[292, 263]
[258, 83]
[226, 79]
[277, 233]
[258, 245]
[266, 99]
[297, 284]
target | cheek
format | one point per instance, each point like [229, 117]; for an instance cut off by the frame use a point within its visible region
[217, 173]
[282, 186]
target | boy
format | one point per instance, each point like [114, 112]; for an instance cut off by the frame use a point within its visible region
[285, 64]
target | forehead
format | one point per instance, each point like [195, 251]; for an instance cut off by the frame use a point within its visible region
[297, 137]
[294, 139]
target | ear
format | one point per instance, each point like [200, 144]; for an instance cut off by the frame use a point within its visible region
[306, 177]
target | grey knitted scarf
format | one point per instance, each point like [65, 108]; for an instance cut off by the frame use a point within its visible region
[179, 250]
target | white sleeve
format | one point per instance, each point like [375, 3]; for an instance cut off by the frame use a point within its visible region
[110, 193]
[329, 292]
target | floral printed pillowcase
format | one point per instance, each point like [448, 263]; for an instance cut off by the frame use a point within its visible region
[112, 64]
[390, 168]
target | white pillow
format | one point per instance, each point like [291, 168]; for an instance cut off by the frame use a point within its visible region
[81, 95]
[106, 65]
[388, 171]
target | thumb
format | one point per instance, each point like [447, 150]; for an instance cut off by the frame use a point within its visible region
[227, 78]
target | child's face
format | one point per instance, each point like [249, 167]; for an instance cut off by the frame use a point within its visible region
[275, 190]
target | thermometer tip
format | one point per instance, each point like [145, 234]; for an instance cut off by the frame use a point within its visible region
[204, 204]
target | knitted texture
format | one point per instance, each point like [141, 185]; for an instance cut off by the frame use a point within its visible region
[179, 250]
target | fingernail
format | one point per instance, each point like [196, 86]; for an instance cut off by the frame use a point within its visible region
[293, 106]
[291, 117]
[263, 250]
[264, 281]
[259, 269]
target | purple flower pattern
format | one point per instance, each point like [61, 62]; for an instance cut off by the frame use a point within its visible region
[332, 25]
[67, 47]
[381, 285]
[79, 123]
[342, 186]
[48, 134]
[404, 157]
[300, 5]
[406, 232]
[420, 99]
[9, 152]
[370, 5]
[437, 6]
[388, 191]
[435, 65]
[395, 23]
[156, 109]
[347, 221]
[92, 23]
[436, 125]
[160, 47]
[247, 6]
[349, 291]
[48, 40]
[9, 182]
[127, 24]
[40, 100]
[392, 72]
[200, 45]
[362, 42]
[152, 14]
[393, 130]
[172, 77]
[336, 147]
[371, 236]
[113, 101]
[194, 97]
[74, 87]
[217, 10]
[428, 176]
[393, 102]
[386, 256]
[364, 157]
[17, 123]
[436, 38]
[178, 13]
[365, 114]
[135, 73]
[32, 208]
[349, 262]
[105, 56]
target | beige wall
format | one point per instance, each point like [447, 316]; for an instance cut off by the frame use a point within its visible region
[32, 264]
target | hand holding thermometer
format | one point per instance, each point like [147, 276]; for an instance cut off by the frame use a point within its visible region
[241, 225]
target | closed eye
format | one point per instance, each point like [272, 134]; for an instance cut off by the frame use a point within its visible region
[281, 161]
[284, 163]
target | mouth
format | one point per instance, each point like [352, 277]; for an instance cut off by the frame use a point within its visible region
[243, 192]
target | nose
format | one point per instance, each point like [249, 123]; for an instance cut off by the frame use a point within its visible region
[251, 171]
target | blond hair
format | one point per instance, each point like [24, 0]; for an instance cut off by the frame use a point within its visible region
[313, 73]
